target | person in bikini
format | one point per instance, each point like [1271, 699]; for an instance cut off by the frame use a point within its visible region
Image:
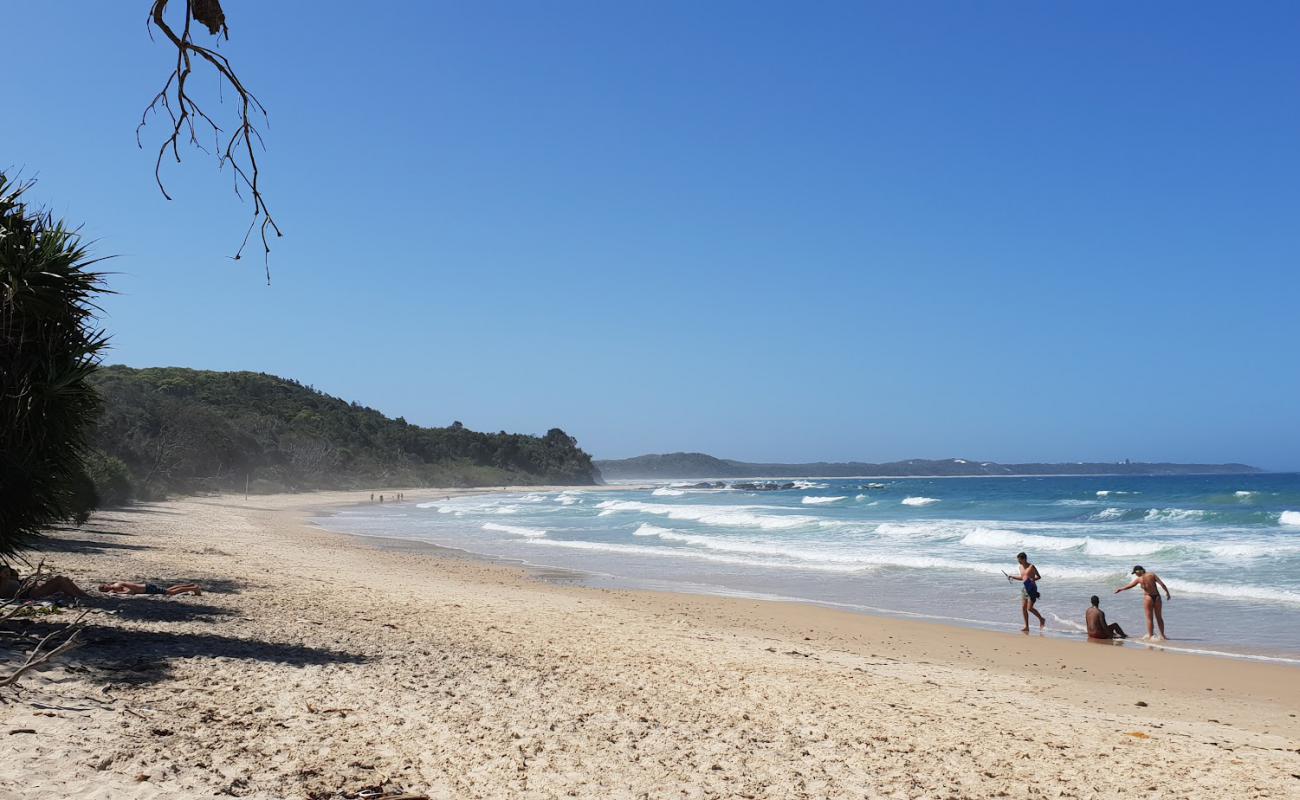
[1149, 581]
[1028, 578]
[125, 587]
[1098, 628]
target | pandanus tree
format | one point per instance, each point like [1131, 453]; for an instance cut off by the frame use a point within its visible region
[49, 344]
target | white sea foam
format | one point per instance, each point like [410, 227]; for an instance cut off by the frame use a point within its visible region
[1109, 513]
[1109, 492]
[1245, 494]
[1262, 593]
[1072, 502]
[860, 497]
[440, 507]
[936, 562]
[518, 530]
[938, 529]
[997, 539]
[735, 516]
[755, 547]
[1243, 550]
[646, 529]
[806, 485]
[918, 501]
[698, 553]
[1289, 518]
[1173, 514]
[666, 492]
[566, 499]
[1115, 547]
[821, 501]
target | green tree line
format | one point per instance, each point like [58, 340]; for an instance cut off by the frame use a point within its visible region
[173, 430]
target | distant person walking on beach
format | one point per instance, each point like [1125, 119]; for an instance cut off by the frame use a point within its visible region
[1028, 578]
[1098, 628]
[1149, 581]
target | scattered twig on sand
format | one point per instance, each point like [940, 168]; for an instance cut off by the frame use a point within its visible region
[340, 711]
[45, 649]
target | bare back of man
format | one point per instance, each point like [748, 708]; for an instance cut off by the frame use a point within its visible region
[1098, 627]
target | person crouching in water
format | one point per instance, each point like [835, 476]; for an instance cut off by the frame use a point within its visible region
[1098, 628]
[1028, 578]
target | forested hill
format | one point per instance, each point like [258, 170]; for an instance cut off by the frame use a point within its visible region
[185, 430]
[699, 465]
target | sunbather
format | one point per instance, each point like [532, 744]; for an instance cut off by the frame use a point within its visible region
[13, 588]
[126, 587]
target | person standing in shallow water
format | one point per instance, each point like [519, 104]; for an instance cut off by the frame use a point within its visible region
[1149, 581]
[1028, 578]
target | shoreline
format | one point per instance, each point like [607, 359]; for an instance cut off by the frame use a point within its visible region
[605, 581]
[320, 664]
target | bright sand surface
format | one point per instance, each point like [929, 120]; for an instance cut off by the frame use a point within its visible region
[319, 665]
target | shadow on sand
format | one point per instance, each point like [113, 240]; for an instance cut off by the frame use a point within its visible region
[159, 609]
[61, 544]
[138, 656]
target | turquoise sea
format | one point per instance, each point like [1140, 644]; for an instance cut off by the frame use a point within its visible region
[933, 548]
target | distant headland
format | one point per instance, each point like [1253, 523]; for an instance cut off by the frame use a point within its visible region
[701, 465]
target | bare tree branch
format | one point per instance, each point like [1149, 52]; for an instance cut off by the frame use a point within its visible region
[39, 655]
[184, 114]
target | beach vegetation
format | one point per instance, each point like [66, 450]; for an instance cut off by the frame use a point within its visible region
[178, 430]
[50, 344]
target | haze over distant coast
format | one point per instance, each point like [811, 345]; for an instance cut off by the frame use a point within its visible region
[701, 465]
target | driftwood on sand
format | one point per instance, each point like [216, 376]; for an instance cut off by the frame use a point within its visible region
[43, 649]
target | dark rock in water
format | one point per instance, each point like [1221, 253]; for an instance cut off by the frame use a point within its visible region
[770, 486]
[706, 485]
[874, 486]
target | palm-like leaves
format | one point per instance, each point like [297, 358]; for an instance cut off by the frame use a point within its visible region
[49, 344]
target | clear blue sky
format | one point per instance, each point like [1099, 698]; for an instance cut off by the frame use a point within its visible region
[1012, 231]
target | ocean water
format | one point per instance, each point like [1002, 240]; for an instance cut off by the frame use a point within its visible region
[931, 548]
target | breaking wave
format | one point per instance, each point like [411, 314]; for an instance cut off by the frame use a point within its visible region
[820, 501]
[738, 516]
[918, 501]
[1173, 515]
[518, 530]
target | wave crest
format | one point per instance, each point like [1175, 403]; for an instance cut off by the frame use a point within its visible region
[821, 501]
[918, 501]
[518, 530]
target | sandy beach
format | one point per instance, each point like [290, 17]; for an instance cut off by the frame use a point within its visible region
[319, 665]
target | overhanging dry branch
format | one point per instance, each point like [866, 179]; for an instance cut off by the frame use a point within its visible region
[185, 114]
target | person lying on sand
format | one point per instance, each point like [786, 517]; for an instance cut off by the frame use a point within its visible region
[1098, 628]
[1028, 578]
[12, 588]
[1151, 599]
[125, 587]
